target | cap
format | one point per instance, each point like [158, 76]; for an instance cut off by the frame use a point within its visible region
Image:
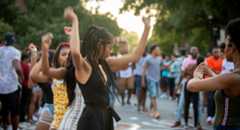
[9, 38]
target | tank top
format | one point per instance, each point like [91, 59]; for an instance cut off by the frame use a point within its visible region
[96, 94]
[227, 110]
[60, 101]
[47, 92]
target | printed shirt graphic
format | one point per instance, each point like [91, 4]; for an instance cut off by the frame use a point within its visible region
[60, 99]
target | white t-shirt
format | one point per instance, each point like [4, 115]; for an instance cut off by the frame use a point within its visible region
[139, 66]
[8, 75]
[227, 67]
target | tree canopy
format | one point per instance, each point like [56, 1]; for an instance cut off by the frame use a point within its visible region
[31, 18]
[187, 21]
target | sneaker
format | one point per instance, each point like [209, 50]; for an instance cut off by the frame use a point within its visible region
[176, 124]
[210, 120]
[186, 127]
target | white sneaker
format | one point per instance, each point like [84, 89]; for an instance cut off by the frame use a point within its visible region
[186, 127]
[210, 120]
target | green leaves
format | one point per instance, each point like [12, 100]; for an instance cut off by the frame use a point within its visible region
[187, 21]
[47, 16]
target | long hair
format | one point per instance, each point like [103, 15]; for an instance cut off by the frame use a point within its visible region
[70, 79]
[62, 45]
[95, 38]
[233, 30]
[93, 42]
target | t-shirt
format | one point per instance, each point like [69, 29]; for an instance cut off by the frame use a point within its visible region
[26, 71]
[8, 75]
[227, 66]
[165, 72]
[215, 64]
[139, 66]
[188, 61]
[153, 70]
[174, 69]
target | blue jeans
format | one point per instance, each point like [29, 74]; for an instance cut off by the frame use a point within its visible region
[180, 106]
[211, 104]
[220, 127]
[138, 84]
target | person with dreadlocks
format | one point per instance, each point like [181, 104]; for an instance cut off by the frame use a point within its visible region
[92, 68]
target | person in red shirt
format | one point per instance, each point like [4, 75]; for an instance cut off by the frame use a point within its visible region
[215, 62]
[26, 90]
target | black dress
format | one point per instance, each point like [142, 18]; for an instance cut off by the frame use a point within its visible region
[97, 114]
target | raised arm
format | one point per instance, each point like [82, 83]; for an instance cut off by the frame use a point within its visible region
[36, 75]
[82, 68]
[57, 73]
[120, 63]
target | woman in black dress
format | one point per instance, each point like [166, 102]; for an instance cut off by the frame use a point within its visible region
[92, 69]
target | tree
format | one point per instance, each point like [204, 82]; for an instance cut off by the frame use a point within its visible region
[187, 21]
[132, 39]
[47, 16]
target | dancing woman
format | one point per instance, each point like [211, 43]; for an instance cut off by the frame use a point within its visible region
[227, 86]
[92, 71]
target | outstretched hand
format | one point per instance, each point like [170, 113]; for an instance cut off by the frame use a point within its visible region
[147, 21]
[69, 14]
[47, 40]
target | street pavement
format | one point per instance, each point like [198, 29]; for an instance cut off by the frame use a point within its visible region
[131, 119]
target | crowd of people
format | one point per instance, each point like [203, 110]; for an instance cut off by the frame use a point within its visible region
[75, 86]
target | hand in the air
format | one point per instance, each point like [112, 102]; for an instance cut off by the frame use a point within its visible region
[69, 14]
[147, 21]
[47, 40]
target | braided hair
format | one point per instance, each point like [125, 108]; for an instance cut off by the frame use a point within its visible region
[94, 40]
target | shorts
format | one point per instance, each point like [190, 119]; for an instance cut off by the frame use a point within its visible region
[46, 114]
[36, 88]
[152, 88]
[125, 83]
[10, 103]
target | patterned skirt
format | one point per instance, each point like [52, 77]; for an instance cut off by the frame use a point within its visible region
[71, 117]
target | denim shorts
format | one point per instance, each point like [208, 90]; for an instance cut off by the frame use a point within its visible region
[46, 114]
[152, 87]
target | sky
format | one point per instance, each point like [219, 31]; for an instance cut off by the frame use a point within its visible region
[125, 20]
